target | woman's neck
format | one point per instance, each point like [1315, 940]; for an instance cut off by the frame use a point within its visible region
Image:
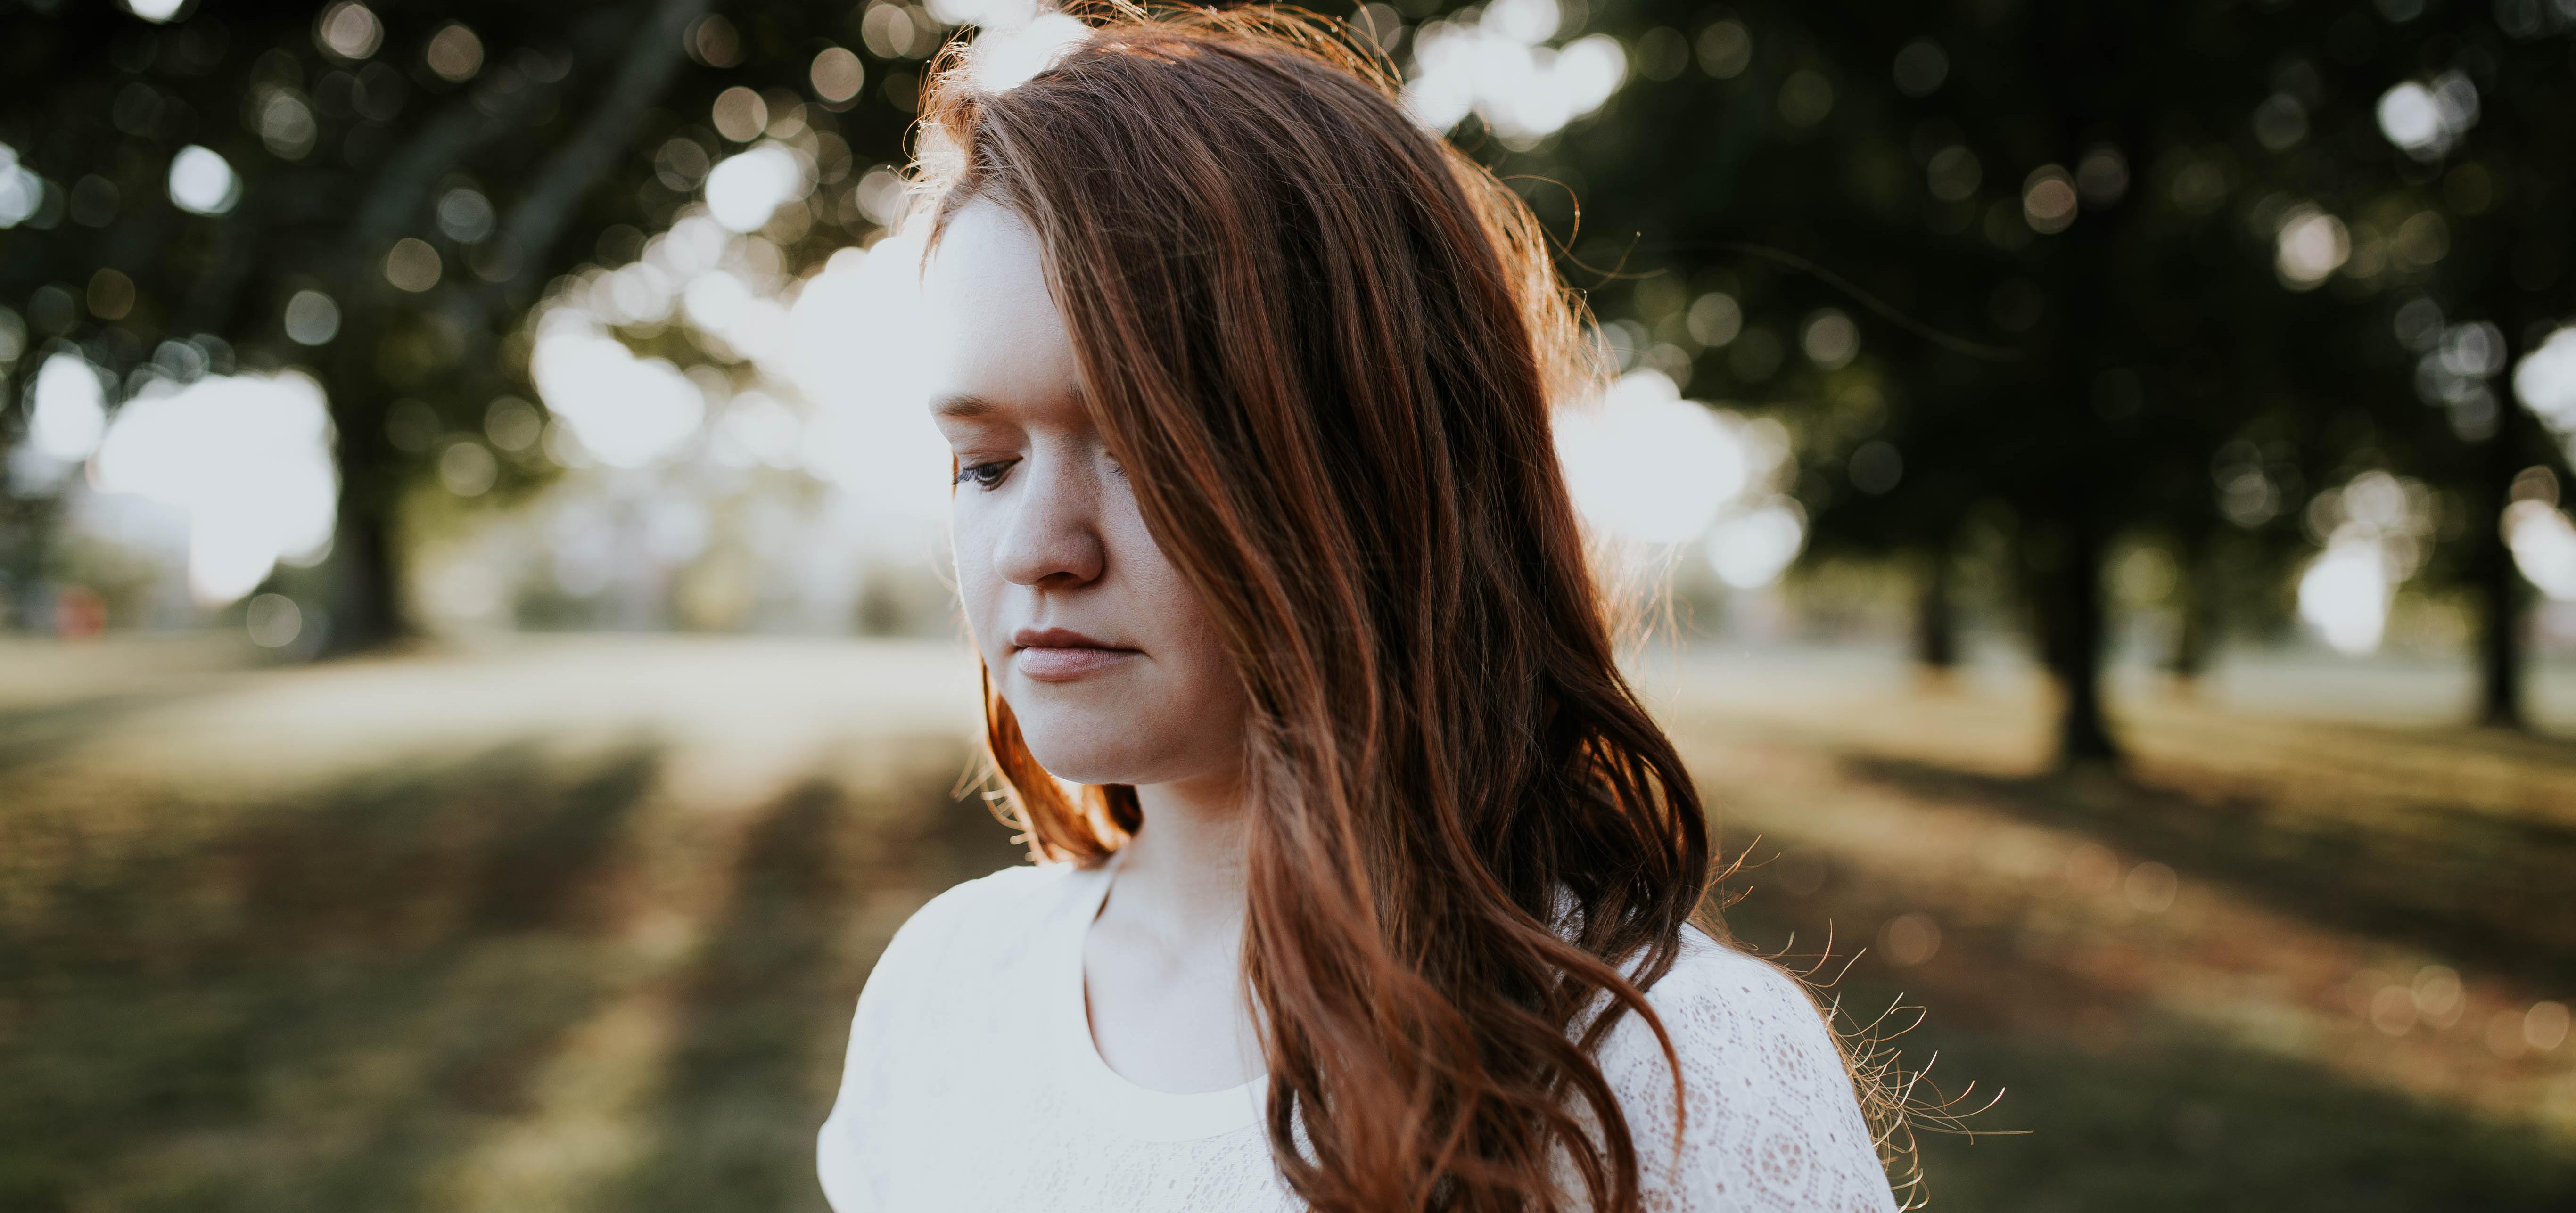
[1163, 963]
[1182, 877]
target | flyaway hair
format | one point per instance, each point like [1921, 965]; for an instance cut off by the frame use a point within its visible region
[1324, 344]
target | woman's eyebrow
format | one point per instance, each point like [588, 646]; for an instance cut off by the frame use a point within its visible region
[963, 408]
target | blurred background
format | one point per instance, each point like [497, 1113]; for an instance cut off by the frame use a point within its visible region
[478, 687]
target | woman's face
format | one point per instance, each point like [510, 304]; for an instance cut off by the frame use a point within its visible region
[1101, 649]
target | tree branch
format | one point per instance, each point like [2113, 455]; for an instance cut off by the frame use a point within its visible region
[539, 217]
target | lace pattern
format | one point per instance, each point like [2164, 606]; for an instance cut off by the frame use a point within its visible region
[1773, 1124]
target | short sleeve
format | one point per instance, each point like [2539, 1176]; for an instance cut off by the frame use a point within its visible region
[1773, 1124]
[894, 985]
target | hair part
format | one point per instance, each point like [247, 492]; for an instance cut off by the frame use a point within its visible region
[1325, 344]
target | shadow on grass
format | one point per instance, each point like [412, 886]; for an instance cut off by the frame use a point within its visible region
[2161, 1125]
[30, 735]
[2520, 747]
[308, 1011]
[765, 1016]
[2471, 885]
[2099, 1117]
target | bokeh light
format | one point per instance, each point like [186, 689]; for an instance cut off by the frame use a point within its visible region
[739, 114]
[454, 53]
[2344, 595]
[2455, 367]
[1498, 67]
[285, 121]
[2310, 246]
[202, 182]
[1830, 339]
[1003, 57]
[21, 190]
[70, 408]
[1645, 464]
[991, 14]
[1752, 549]
[273, 621]
[625, 411]
[2543, 540]
[743, 191]
[2377, 530]
[2427, 121]
[311, 318]
[412, 264]
[2546, 381]
[709, 486]
[247, 459]
[857, 353]
[837, 74]
[1714, 319]
[465, 215]
[2048, 199]
[349, 31]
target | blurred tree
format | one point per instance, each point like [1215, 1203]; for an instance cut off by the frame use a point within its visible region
[2064, 231]
[379, 193]
[1972, 170]
[2048, 271]
[2457, 122]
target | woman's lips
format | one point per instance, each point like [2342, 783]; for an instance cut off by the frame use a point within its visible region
[1062, 654]
[1064, 664]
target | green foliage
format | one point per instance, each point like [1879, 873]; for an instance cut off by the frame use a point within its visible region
[2059, 229]
[429, 196]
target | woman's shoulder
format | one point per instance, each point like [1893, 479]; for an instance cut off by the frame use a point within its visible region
[1725, 1008]
[1717, 984]
[1773, 1118]
[1012, 894]
[1010, 891]
[976, 915]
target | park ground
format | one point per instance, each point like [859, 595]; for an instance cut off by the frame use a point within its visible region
[576, 923]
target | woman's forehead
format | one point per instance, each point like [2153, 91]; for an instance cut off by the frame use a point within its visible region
[996, 333]
[986, 250]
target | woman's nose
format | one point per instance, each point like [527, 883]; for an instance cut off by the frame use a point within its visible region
[1053, 531]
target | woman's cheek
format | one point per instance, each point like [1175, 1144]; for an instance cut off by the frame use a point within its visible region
[979, 590]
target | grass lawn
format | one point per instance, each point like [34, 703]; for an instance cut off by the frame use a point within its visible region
[577, 924]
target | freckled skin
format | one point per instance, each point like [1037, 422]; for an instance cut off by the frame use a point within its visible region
[1047, 533]
[1048, 536]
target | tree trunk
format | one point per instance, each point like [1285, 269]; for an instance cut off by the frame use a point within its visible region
[2071, 635]
[2499, 583]
[367, 601]
[2196, 592]
[366, 582]
[1936, 620]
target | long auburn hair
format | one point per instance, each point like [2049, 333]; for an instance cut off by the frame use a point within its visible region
[1325, 344]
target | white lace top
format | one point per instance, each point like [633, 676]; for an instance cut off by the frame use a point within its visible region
[972, 1083]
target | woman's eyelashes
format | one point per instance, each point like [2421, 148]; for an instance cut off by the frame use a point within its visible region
[986, 475]
[989, 473]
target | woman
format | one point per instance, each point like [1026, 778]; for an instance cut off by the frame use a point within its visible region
[1364, 882]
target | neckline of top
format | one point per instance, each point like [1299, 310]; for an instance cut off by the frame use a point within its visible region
[1116, 1100]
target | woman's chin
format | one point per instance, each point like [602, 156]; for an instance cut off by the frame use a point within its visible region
[1087, 760]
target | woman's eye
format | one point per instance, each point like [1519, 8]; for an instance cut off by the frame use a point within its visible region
[984, 475]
